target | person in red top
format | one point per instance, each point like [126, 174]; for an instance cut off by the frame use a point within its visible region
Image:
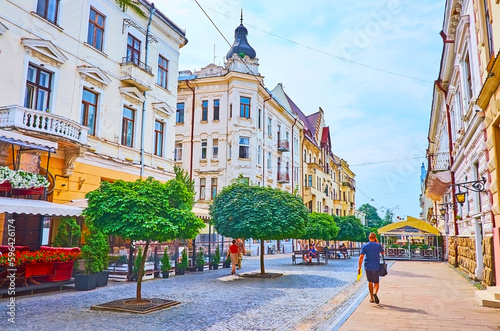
[234, 251]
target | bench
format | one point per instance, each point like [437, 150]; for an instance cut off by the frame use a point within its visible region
[320, 256]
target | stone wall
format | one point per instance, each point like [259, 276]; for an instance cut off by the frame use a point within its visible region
[488, 273]
[451, 250]
[467, 255]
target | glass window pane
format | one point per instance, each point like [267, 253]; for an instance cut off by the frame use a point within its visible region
[42, 99]
[98, 39]
[31, 74]
[51, 15]
[44, 79]
[91, 119]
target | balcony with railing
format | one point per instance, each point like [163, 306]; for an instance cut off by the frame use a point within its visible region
[283, 146]
[283, 178]
[439, 161]
[350, 183]
[136, 73]
[41, 123]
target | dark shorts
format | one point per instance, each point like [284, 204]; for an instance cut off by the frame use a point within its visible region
[372, 276]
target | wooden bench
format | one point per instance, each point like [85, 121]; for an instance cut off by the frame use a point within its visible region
[320, 256]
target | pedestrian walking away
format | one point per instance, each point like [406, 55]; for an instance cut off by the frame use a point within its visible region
[370, 252]
[241, 250]
[233, 252]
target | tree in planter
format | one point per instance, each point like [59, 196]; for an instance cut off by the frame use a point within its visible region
[138, 264]
[146, 210]
[242, 210]
[68, 233]
[165, 264]
[200, 259]
[216, 258]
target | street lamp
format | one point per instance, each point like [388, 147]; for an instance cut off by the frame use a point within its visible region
[460, 197]
[474, 185]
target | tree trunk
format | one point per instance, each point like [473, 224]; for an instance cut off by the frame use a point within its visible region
[262, 270]
[141, 273]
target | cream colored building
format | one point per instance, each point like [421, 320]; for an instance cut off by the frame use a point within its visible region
[97, 84]
[457, 152]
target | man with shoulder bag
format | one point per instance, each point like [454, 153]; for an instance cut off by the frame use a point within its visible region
[372, 251]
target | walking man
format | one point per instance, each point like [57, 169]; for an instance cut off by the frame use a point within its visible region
[241, 246]
[372, 251]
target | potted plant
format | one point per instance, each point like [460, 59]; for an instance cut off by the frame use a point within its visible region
[165, 264]
[227, 263]
[68, 233]
[95, 254]
[200, 259]
[182, 266]
[216, 258]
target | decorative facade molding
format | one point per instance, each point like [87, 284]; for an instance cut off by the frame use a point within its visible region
[94, 75]
[132, 93]
[70, 156]
[45, 48]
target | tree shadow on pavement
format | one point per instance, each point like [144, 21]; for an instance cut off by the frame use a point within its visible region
[406, 274]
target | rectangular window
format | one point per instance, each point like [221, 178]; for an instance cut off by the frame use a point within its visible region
[96, 29]
[244, 148]
[259, 156]
[48, 9]
[260, 118]
[270, 126]
[489, 30]
[128, 127]
[269, 161]
[245, 107]
[133, 49]
[215, 149]
[159, 138]
[162, 77]
[203, 149]
[230, 110]
[468, 78]
[38, 89]
[179, 114]
[204, 111]
[229, 151]
[310, 180]
[203, 184]
[178, 151]
[213, 189]
[216, 110]
[89, 110]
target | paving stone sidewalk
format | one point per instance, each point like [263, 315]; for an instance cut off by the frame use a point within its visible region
[210, 300]
[423, 296]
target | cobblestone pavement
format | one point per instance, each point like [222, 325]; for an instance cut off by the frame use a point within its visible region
[302, 299]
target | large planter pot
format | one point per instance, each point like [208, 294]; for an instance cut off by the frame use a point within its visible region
[215, 266]
[200, 268]
[165, 274]
[227, 263]
[102, 278]
[85, 282]
[181, 271]
[39, 269]
[63, 271]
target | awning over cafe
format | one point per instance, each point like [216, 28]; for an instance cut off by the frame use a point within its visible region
[438, 184]
[411, 227]
[15, 138]
[37, 207]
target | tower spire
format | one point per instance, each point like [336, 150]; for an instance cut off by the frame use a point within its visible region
[241, 19]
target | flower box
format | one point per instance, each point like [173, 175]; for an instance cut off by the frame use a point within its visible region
[62, 271]
[39, 269]
[28, 191]
[5, 187]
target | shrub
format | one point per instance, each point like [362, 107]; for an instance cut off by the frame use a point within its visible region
[68, 233]
[184, 260]
[200, 259]
[96, 251]
[137, 262]
[216, 257]
[165, 261]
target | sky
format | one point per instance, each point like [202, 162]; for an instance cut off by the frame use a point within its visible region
[370, 65]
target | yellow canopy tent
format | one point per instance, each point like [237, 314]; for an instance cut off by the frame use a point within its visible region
[412, 228]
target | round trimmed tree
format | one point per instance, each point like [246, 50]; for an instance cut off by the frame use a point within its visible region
[320, 226]
[241, 210]
[146, 210]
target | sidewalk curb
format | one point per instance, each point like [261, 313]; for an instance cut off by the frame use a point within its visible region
[334, 323]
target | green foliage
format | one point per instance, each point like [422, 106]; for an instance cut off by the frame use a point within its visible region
[320, 226]
[394, 246]
[133, 4]
[68, 233]
[424, 246]
[245, 211]
[138, 262]
[200, 260]
[372, 217]
[118, 260]
[144, 210]
[165, 261]
[216, 257]
[184, 260]
[351, 229]
[95, 252]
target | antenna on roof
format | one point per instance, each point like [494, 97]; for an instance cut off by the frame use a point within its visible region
[241, 19]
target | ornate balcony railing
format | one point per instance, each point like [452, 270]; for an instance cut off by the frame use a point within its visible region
[15, 116]
[283, 146]
[283, 178]
[136, 73]
[137, 63]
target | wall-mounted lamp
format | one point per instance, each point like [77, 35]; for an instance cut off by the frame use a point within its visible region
[474, 185]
